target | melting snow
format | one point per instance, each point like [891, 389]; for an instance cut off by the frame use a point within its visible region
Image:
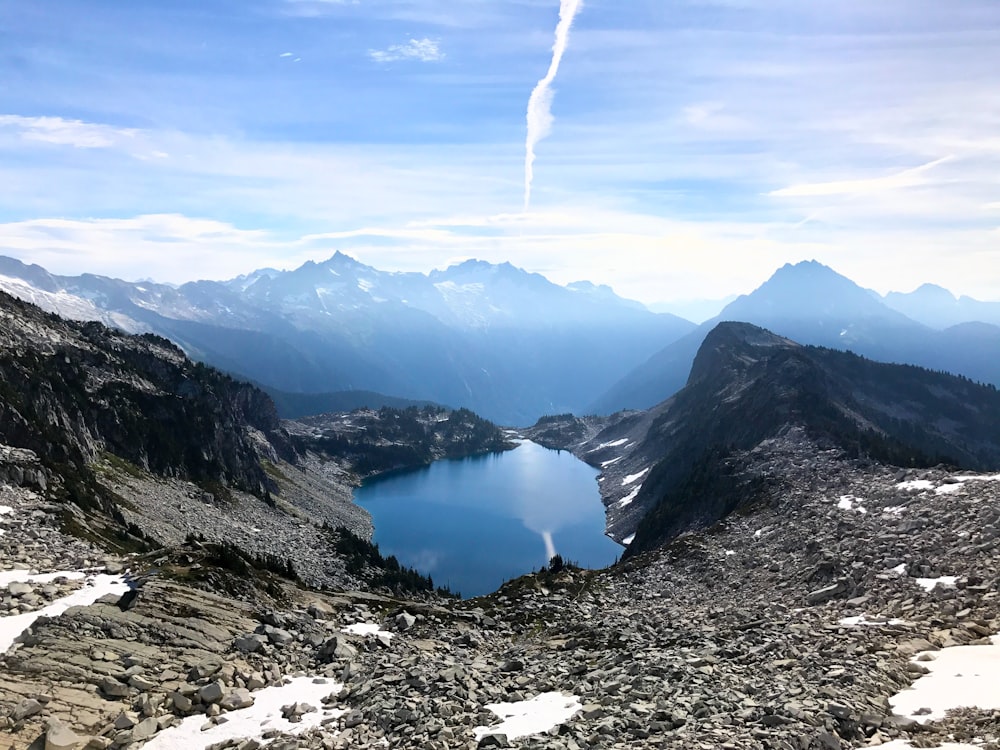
[948, 489]
[916, 484]
[894, 510]
[251, 723]
[629, 497]
[959, 677]
[847, 502]
[634, 477]
[928, 584]
[612, 461]
[730, 552]
[8, 577]
[864, 620]
[904, 745]
[535, 716]
[365, 628]
[95, 588]
[5, 509]
[612, 444]
[628, 540]
[900, 569]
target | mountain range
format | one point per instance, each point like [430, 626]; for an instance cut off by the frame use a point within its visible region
[813, 304]
[506, 343]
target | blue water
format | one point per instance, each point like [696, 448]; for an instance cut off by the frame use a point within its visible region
[474, 523]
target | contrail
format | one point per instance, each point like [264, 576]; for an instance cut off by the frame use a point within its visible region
[540, 103]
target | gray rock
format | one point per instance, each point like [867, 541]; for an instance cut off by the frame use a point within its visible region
[405, 621]
[61, 737]
[145, 729]
[237, 699]
[212, 692]
[25, 709]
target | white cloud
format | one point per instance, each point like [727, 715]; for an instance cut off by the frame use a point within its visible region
[421, 50]
[905, 179]
[63, 132]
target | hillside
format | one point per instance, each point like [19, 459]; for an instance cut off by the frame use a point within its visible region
[681, 465]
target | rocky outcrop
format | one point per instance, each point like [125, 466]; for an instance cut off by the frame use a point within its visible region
[72, 392]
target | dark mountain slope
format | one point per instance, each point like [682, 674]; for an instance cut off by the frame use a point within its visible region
[72, 392]
[812, 304]
[748, 385]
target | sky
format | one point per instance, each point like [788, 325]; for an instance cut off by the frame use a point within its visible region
[695, 145]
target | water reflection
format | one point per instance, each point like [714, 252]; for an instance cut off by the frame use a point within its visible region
[476, 522]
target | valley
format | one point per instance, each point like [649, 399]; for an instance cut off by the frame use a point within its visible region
[804, 531]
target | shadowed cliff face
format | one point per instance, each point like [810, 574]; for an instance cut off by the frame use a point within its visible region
[73, 391]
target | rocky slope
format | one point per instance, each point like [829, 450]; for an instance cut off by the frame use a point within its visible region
[790, 626]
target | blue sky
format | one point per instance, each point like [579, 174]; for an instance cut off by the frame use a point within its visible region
[696, 145]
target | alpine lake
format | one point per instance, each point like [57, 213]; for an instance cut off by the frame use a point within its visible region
[474, 523]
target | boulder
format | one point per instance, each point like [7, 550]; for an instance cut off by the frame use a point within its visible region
[25, 709]
[212, 692]
[237, 699]
[61, 737]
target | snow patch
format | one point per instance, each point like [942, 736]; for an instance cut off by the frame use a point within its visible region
[627, 500]
[5, 510]
[948, 489]
[850, 502]
[958, 677]
[534, 716]
[365, 629]
[894, 510]
[916, 484]
[95, 588]
[628, 540]
[866, 621]
[251, 723]
[904, 745]
[634, 477]
[928, 584]
[612, 461]
[8, 577]
[612, 444]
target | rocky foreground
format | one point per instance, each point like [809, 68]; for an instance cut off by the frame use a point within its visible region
[788, 626]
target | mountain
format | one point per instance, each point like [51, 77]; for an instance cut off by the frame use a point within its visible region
[228, 603]
[679, 464]
[813, 304]
[936, 307]
[296, 405]
[494, 338]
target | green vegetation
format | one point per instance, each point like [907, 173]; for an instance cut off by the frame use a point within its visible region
[397, 438]
[366, 561]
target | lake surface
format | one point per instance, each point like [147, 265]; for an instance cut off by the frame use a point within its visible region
[474, 523]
